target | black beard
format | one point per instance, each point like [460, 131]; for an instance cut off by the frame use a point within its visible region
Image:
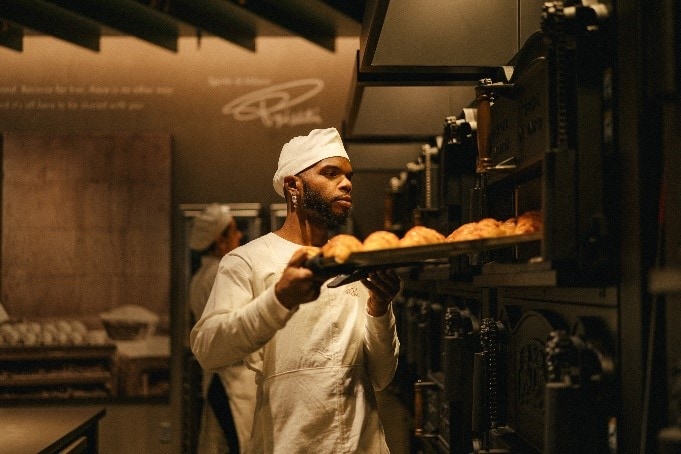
[320, 209]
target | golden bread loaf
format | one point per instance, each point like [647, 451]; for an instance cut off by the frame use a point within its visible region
[529, 222]
[340, 247]
[489, 228]
[465, 232]
[381, 239]
[508, 226]
[420, 235]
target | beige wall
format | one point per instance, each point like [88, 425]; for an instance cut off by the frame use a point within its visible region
[222, 151]
[85, 223]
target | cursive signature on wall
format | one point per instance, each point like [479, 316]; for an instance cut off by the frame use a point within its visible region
[272, 105]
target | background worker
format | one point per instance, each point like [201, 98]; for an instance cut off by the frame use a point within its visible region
[227, 416]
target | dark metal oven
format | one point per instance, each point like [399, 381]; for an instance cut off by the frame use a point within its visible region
[539, 372]
[545, 143]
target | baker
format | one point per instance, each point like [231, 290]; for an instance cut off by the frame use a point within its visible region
[319, 354]
[227, 416]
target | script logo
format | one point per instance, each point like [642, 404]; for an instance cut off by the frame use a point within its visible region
[272, 105]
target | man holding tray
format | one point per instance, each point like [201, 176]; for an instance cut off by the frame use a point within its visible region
[318, 353]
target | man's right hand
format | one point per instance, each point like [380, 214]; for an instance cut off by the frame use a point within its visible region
[297, 284]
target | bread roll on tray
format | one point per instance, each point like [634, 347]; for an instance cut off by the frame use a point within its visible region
[529, 222]
[381, 239]
[420, 235]
[340, 247]
[489, 228]
[465, 232]
[508, 226]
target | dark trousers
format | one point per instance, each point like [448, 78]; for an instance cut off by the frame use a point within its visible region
[219, 402]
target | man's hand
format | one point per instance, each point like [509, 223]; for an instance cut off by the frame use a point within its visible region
[297, 284]
[383, 285]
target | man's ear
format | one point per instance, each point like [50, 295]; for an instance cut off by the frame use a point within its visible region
[290, 183]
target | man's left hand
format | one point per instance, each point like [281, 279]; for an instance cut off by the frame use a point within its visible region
[383, 285]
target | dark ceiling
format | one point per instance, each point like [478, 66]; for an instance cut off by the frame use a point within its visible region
[162, 22]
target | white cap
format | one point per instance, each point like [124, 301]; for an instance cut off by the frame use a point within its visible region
[304, 151]
[208, 226]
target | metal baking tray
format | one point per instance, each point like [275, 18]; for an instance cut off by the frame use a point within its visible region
[359, 264]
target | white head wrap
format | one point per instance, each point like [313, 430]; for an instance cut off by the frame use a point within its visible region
[304, 151]
[208, 226]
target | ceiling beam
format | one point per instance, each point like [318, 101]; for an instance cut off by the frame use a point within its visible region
[11, 36]
[51, 20]
[213, 16]
[374, 16]
[129, 17]
[354, 9]
[313, 30]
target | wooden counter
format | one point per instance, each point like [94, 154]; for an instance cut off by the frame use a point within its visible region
[50, 430]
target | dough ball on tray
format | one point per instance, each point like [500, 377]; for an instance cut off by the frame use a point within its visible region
[381, 239]
[529, 222]
[420, 235]
[489, 228]
[485, 228]
[464, 232]
[341, 246]
[508, 226]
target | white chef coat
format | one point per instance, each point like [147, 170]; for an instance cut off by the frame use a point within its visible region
[237, 379]
[317, 365]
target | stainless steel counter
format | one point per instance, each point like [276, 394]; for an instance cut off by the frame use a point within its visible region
[50, 430]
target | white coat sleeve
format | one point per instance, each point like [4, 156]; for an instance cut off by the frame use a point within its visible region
[382, 348]
[235, 322]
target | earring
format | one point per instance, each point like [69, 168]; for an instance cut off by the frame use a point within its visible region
[294, 199]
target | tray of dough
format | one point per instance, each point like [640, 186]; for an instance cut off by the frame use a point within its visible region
[358, 264]
[348, 259]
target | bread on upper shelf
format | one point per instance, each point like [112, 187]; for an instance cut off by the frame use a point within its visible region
[529, 222]
[509, 225]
